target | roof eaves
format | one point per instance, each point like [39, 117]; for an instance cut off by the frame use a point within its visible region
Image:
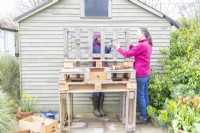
[35, 10]
[147, 7]
[173, 22]
[5, 24]
[156, 12]
[7, 29]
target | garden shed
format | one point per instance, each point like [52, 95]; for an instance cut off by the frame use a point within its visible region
[42, 37]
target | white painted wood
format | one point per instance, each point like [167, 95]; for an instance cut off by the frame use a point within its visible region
[110, 8]
[90, 43]
[65, 38]
[43, 7]
[94, 22]
[82, 6]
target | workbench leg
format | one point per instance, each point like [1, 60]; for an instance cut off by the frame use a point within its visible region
[130, 112]
[71, 106]
[64, 110]
[134, 110]
[68, 111]
[121, 106]
[61, 112]
[124, 108]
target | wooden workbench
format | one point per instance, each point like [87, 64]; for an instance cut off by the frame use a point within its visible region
[122, 81]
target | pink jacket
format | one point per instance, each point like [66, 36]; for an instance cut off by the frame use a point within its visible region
[142, 53]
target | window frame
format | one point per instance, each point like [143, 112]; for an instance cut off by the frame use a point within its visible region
[5, 40]
[96, 17]
[1, 33]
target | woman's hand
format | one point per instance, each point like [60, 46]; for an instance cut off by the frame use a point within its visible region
[110, 45]
[116, 44]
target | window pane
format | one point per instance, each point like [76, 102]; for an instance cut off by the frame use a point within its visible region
[5, 41]
[96, 7]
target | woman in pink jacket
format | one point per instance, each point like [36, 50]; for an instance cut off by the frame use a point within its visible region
[142, 54]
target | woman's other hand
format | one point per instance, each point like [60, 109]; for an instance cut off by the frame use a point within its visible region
[116, 44]
[110, 45]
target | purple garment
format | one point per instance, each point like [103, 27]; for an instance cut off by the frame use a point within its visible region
[97, 48]
[95, 36]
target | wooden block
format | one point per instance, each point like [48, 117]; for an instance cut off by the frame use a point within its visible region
[128, 63]
[64, 87]
[97, 74]
[68, 64]
[22, 131]
[131, 86]
[98, 63]
[132, 80]
[97, 86]
[39, 124]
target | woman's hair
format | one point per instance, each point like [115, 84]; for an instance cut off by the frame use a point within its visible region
[147, 34]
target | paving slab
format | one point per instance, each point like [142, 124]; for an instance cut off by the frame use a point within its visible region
[88, 123]
[149, 128]
[88, 130]
[96, 125]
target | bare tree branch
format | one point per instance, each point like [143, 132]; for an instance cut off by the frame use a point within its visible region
[167, 7]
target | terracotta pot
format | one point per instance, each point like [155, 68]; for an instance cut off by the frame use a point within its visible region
[20, 115]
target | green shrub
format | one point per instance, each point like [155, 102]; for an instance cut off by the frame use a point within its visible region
[182, 65]
[182, 62]
[159, 89]
[7, 119]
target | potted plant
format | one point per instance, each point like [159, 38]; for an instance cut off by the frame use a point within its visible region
[26, 106]
[187, 115]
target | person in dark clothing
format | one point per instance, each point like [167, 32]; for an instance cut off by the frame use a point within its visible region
[98, 97]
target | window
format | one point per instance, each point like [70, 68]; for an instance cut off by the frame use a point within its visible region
[5, 41]
[1, 33]
[96, 8]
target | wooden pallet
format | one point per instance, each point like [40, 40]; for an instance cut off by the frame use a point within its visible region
[103, 73]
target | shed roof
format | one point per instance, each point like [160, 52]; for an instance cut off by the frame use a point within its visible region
[137, 2]
[6, 25]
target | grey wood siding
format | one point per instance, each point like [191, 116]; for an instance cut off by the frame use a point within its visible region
[41, 46]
